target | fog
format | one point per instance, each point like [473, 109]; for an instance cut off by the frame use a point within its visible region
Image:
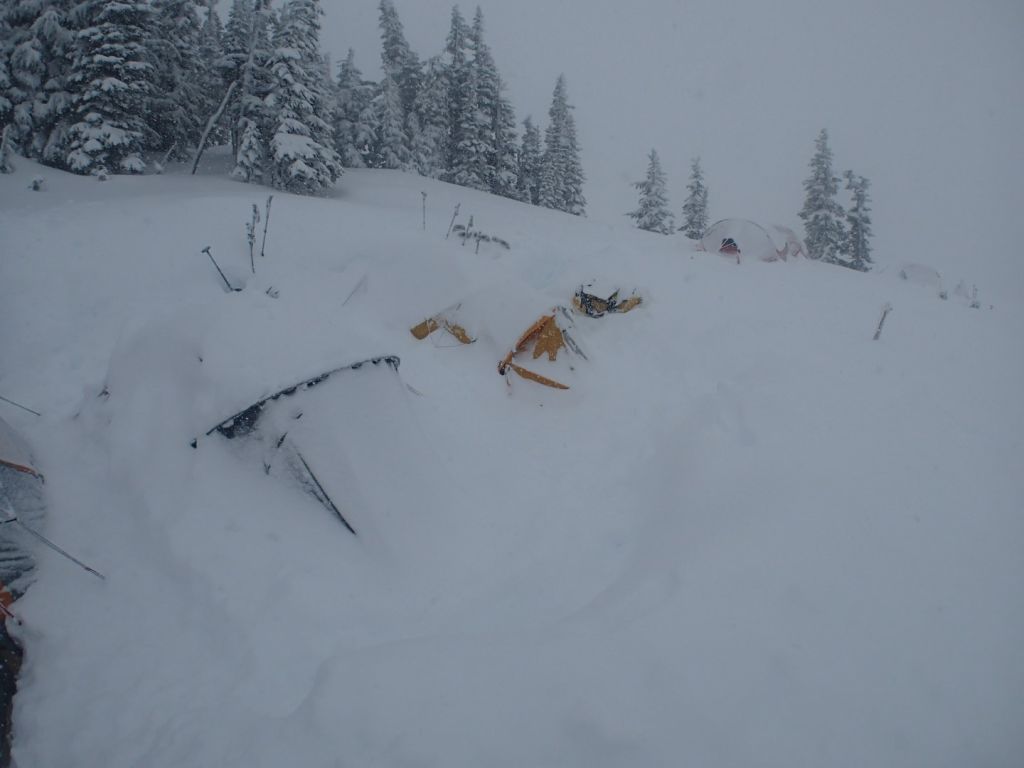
[923, 97]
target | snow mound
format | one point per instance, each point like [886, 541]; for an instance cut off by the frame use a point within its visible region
[747, 533]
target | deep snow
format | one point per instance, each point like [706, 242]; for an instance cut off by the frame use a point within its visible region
[748, 534]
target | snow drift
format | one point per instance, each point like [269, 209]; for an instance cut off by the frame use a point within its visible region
[747, 534]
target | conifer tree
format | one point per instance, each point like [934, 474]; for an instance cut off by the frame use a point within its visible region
[575, 202]
[391, 147]
[695, 209]
[180, 99]
[460, 102]
[250, 158]
[6, 150]
[396, 96]
[235, 39]
[397, 59]
[36, 46]
[551, 188]
[22, 69]
[251, 120]
[110, 77]
[354, 134]
[494, 121]
[52, 110]
[211, 54]
[213, 28]
[653, 213]
[822, 215]
[302, 158]
[528, 173]
[431, 115]
[858, 223]
[420, 149]
[6, 105]
[328, 93]
[504, 160]
[561, 178]
[235, 42]
[476, 148]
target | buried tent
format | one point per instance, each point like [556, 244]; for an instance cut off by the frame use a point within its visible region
[496, 313]
[736, 238]
[21, 498]
[21, 501]
[274, 422]
[447, 320]
[593, 305]
[554, 330]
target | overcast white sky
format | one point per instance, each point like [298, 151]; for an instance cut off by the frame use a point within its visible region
[924, 97]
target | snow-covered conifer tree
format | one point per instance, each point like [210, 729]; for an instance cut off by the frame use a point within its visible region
[6, 150]
[251, 128]
[8, 41]
[858, 223]
[391, 148]
[180, 99]
[561, 177]
[504, 160]
[302, 158]
[529, 165]
[326, 87]
[52, 110]
[420, 150]
[822, 215]
[6, 105]
[695, 209]
[36, 45]
[22, 69]
[653, 213]
[236, 38]
[213, 28]
[431, 114]
[494, 117]
[397, 59]
[235, 41]
[395, 99]
[211, 54]
[110, 78]
[460, 101]
[575, 202]
[468, 165]
[476, 149]
[354, 134]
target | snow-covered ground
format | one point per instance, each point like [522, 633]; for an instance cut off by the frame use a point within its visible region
[748, 534]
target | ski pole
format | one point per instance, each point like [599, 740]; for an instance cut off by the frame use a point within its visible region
[250, 230]
[7, 612]
[323, 493]
[19, 405]
[885, 312]
[266, 223]
[451, 224]
[206, 250]
[55, 548]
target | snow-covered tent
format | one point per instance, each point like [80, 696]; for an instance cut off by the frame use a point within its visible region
[21, 498]
[742, 238]
[921, 274]
[924, 276]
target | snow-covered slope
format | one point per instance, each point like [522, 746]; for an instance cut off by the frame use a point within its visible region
[748, 534]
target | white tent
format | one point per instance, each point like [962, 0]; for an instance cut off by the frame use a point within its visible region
[742, 238]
